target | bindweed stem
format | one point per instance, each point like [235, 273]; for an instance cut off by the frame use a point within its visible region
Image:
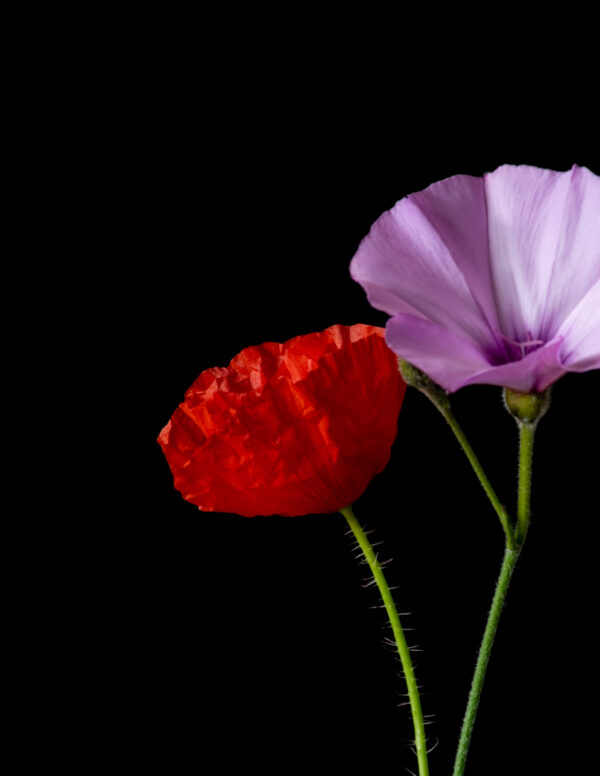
[508, 565]
[401, 644]
[527, 431]
[527, 409]
[481, 476]
[439, 398]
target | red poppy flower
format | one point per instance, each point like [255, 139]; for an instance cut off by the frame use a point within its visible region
[289, 429]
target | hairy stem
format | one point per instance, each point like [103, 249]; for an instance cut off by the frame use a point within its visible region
[401, 644]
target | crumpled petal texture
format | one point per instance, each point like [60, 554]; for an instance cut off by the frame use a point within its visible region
[493, 279]
[289, 429]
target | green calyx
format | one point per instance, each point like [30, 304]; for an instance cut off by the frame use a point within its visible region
[527, 407]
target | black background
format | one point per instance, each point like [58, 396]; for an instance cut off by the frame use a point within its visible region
[226, 204]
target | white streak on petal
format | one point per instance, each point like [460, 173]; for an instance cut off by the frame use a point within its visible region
[581, 333]
[544, 231]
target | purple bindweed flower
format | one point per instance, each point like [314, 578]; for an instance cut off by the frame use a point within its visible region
[491, 280]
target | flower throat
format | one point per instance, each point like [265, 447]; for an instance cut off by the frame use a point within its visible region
[520, 348]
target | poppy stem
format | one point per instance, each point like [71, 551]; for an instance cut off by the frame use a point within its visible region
[401, 644]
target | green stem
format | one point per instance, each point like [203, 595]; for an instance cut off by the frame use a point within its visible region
[508, 565]
[401, 644]
[481, 475]
[527, 431]
[439, 398]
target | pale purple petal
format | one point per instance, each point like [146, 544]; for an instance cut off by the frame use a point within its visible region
[588, 352]
[456, 208]
[581, 334]
[535, 372]
[491, 280]
[447, 358]
[544, 232]
[453, 362]
[413, 261]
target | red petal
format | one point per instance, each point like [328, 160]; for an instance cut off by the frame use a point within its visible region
[290, 429]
